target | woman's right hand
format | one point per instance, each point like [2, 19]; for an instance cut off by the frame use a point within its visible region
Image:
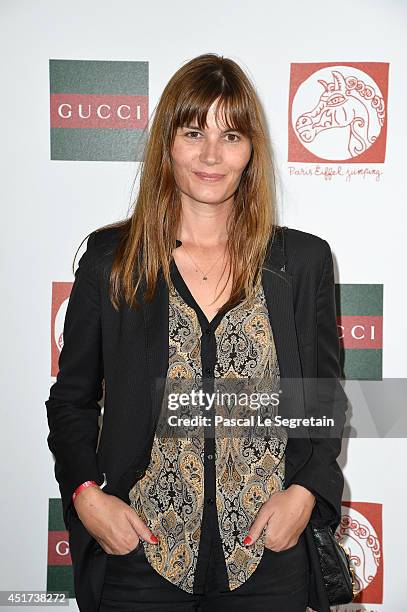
[113, 523]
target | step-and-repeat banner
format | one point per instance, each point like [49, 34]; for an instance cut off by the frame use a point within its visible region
[80, 82]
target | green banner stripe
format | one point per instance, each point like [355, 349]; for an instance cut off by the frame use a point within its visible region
[364, 364]
[98, 77]
[97, 144]
[60, 580]
[359, 299]
[55, 516]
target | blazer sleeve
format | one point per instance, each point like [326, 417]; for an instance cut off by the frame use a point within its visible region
[321, 474]
[72, 408]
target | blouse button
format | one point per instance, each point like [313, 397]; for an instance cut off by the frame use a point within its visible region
[207, 331]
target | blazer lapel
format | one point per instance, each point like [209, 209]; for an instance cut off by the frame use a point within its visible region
[278, 291]
[156, 317]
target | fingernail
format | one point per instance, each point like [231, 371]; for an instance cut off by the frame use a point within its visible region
[247, 540]
[154, 538]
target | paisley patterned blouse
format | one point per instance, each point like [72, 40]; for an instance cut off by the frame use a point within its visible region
[170, 497]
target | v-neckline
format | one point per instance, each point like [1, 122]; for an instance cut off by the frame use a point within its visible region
[191, 301]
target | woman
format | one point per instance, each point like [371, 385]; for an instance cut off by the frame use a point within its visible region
[199, 285]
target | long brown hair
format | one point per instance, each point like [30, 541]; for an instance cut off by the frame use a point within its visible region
[149, 234]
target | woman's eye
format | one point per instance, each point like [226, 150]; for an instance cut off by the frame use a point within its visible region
[188, 133]
[235, 136]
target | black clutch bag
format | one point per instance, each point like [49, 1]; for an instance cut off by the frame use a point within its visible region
[336, 566]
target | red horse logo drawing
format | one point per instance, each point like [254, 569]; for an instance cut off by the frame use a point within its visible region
[345, 103]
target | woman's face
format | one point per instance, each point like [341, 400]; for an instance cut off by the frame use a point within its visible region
[197, 154]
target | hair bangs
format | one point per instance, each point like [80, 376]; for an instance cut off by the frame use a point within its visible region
[231, 111]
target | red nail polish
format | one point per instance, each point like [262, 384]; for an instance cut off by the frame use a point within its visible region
[247, 540]
[154, 539]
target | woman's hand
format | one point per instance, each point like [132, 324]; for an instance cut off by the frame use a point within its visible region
[108, 519]
[285, 516]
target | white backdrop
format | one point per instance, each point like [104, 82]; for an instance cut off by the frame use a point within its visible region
[49, 206]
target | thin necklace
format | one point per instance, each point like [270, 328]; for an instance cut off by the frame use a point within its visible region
[204, 275]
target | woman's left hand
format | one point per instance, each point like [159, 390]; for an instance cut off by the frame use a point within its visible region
[285, 516]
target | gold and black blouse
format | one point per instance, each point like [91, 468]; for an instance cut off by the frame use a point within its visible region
[197, 489]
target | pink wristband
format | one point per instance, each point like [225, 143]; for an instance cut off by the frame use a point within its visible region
[84, 485]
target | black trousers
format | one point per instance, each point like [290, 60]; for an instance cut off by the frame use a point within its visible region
[279, 584]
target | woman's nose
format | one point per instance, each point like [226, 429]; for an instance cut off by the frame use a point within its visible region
[210, 152]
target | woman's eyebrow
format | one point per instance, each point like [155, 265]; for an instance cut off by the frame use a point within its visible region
[195, 127]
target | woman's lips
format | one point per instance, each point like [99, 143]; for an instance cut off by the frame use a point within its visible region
[210, 178]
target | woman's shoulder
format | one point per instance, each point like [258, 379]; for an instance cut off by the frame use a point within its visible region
[108, 237]
[102, 244]
[103, 241]
[303, 249]
[299, 239]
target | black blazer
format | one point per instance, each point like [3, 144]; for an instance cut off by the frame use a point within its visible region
[123, 353]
